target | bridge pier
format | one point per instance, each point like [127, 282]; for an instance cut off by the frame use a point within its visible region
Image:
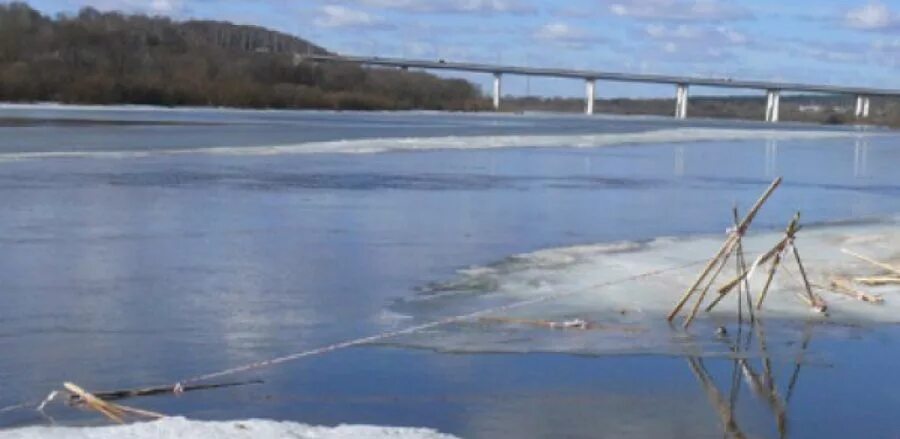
[773, 104]
[497, 90]
[681, 101]
[590, 88]
[862, 107]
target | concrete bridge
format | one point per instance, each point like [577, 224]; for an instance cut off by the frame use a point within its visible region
[682, 84]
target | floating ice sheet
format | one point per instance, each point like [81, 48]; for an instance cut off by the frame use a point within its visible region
[596, 283]
[379, 145]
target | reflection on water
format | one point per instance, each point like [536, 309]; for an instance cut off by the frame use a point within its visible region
[679, 161]
[861, 157]
[770, 166]
[763, 386]
[771, 158]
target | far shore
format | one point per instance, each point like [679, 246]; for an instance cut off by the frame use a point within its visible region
[514, 107]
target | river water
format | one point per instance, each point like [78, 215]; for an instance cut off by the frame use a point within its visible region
[143, 246]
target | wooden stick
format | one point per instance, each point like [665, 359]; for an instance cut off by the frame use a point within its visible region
[742, 227]
[789, 235]
[690, 318]
[876, 281]
[772, 269]
[742, 261]
[140, 412]
[115, 395]
[872, 261]
[844, 286]
[105, 408]
[816, 302]
[737, 269]
[574, 324]
[759, 261]
[112, 411]
[747, 292]
[726, 247]
[728, 287]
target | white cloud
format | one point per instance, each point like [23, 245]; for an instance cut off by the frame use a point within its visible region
[872, 16]
[830, 51]
[341, 16]
[451, 6]
[564, 34]
[678, 10]
[691, 42]
[705, 35]
[554, 31]
[163, 7]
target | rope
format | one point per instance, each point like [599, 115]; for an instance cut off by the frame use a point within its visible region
[19, 406]
[391, 334]
[37, 405]
[425, 326]
[47, 400]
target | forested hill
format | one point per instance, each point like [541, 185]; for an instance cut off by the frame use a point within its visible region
[108, 57]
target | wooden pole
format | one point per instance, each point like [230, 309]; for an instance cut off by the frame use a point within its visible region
[845, 287]
[765, 290]
[878, 280]
[745, 224]
[882, 265]
[105, 408]
[726, 247]
[737, 269]
[759, 261]
[816, 301]
[684, 298]
[690, 318]
[743, 268]
[746, 285]
[115, 395]
[791, 230]
[112, 411]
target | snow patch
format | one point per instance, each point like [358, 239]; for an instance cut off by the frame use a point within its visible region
[181, 428]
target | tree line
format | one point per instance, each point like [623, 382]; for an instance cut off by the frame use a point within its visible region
[96, 57]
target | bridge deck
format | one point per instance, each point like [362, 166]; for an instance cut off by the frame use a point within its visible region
[608, 76]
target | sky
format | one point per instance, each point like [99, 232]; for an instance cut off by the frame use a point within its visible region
[842, 42]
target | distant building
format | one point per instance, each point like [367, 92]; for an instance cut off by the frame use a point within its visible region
[840, 109]
[811, 108]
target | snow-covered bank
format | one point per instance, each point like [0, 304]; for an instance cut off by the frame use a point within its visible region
[181, 428]
[381, 145]
[596, 283]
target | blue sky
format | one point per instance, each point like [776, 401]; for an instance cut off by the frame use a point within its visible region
[849, 42]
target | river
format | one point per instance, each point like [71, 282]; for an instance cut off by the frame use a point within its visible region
[142, 246]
